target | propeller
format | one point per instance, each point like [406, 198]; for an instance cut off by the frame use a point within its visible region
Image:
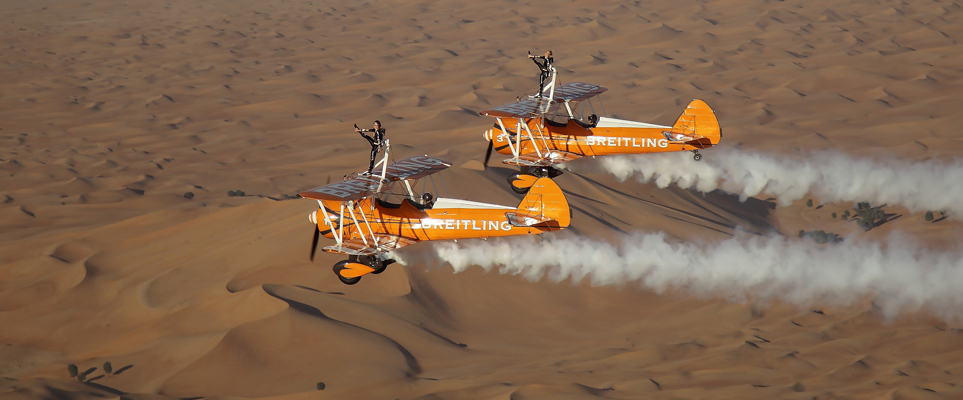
[490, 136]
[488, 154]
[314, 244]
[313, 217]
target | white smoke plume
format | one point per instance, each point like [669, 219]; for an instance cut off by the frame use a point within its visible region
[828, 176]
[897, 276]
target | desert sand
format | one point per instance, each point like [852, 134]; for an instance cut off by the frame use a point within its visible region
[111, 110]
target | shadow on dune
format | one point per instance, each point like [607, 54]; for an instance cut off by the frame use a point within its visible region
[410, 359]
[105, 388]
[753, 213]
[124, 368]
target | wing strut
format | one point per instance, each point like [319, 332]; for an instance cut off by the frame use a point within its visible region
[327, 221]
[505, 130]
[541, 135]
[534, 144]
[410, 192]
[367, 224]
[355, 220]
[341, 224]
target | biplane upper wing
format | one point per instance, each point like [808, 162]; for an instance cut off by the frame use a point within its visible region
[359, 187]
[525, 108]
[577, 91]
[415, 168]
[533, 106]
[354, 188]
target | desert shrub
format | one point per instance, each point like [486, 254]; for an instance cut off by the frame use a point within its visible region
[72, 370]
[81, 376]
[868, 217]
[834, 215]
[231, 193]
[320, 385]
[809, 203]
[189, 195]
[820, 237]
[239, 193]
[845, 215]
[108, 368]
[928, 216]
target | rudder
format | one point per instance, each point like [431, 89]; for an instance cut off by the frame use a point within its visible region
[698, 125]
[546, 200]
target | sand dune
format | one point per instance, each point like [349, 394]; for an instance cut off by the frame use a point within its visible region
[111, 111]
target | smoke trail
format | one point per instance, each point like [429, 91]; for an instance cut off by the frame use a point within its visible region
[830, 177]
[897, 276]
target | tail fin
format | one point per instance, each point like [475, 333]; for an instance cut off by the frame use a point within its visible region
[697, 126]
[544, 207]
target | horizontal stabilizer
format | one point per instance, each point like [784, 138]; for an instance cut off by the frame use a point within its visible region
[525, 219]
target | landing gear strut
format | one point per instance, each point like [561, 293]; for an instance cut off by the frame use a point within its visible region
[542, 172]
[696, 156]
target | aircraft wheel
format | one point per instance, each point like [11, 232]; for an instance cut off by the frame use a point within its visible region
[697, 157]
[348, 281]
[380, 266]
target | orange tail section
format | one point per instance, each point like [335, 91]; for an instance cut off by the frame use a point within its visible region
[697, 126]
[544, 207]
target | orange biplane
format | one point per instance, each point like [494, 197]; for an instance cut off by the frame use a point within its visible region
[552, 127]
[366, 226]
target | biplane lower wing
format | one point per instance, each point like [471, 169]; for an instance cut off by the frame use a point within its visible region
[548, 158]
[357, 247]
